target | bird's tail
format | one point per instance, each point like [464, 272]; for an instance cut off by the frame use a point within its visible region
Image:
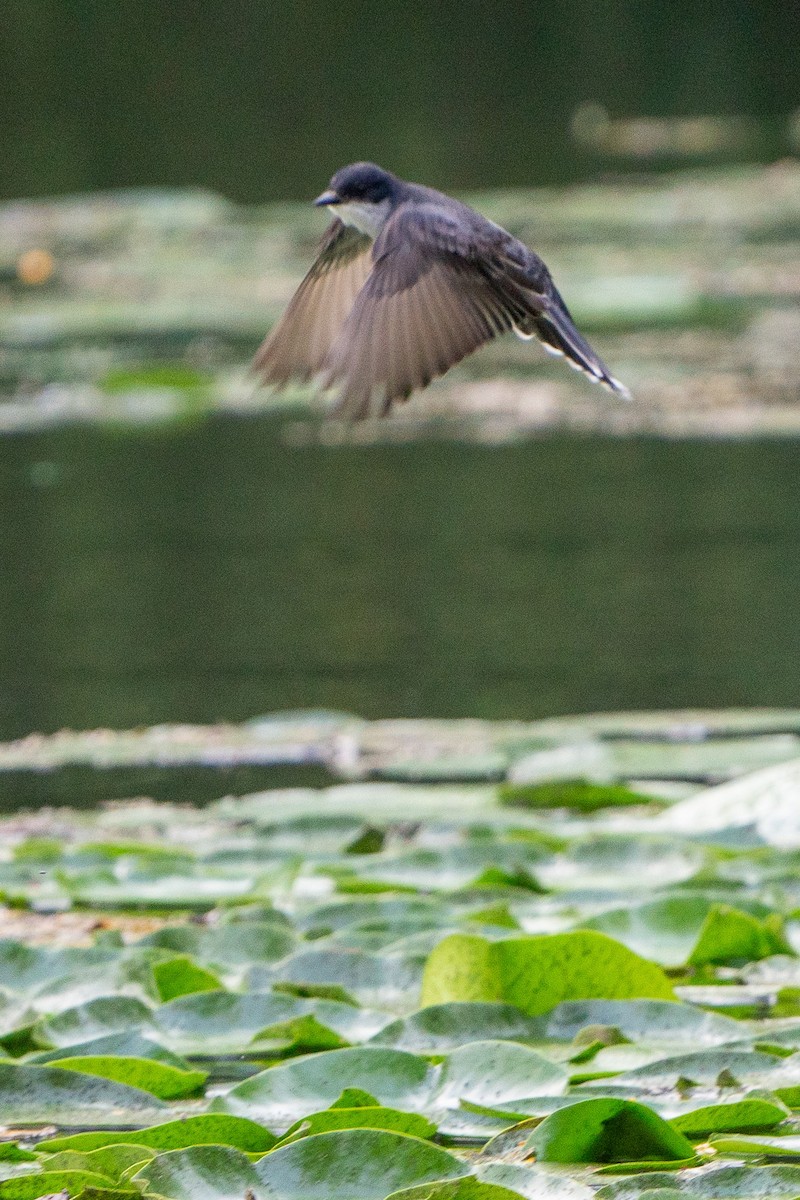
[556, 331]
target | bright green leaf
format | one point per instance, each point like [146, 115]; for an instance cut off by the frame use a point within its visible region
[181, 976]
[372, 1117]
[166, 1082]
[206, 1129]
[607, 1130]
[536, 973]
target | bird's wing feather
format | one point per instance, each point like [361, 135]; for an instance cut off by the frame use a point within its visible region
[555, 329]
[301, 341]
[434, 295]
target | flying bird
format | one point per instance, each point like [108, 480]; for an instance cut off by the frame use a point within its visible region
[407, 283]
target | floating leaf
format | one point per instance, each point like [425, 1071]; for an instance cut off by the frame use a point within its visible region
[534, 1182]
[658, 1021]
[353, 1164]
[570, 793]
[282, 1095]
[364, 1117]
[43, 1183]
[210, 1128]
[607, 1131]
[468, 1188]
[536, 973]
[442, 1027]
[126, 1045]
[725, 1183]
[731, 935]
[181, 976]
[717, 1068]
[739, 1117]
[50, 1095]
[201, 1173]
[166, 1082]
[96, 1018]
[112, 1161]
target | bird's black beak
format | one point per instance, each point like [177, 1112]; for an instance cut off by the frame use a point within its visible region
[329, 197]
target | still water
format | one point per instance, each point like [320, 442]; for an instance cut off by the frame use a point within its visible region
[216, 573]
[264, 100]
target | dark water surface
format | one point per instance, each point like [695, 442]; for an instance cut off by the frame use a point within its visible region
[216, 573]
[264, 100]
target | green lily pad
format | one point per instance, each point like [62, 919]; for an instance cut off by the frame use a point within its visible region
[111, 1161]
[125, 1045]
[209, 1128]
[373, 980]
[96, 1018]
[47, 1183]
[607, 1131]
[201, 1173]
[742, 1116]
[166, 1082]
[353, 1164]
[365, 1117]
[536, 973]
[534, 1182]
[181, 976]
[657, 1021]
[443, 1027]
[741, 1145]
[284, 1094]
[468, 1188]
[725, 1183]
[481, 1073]
[731, 935]
[49, 1095]
[715, 1069]
[24, 970]
[570, 793]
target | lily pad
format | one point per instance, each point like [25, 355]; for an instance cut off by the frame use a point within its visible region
[158, 1078]
[607, 1131]
[49, 1095]
[443, 1027]
[209, 1128]
[48, 1183]
[201, 1173]
[353, 1164]
[536, 973]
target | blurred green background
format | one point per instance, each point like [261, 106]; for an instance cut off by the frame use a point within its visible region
[261, 100]
[214, 567]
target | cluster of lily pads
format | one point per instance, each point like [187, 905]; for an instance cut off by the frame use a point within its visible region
[345, 995]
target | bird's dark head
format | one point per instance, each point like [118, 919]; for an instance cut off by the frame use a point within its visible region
[360, 183]
[361, 195]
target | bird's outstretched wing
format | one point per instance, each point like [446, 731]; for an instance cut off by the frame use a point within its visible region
[435, 293]
[555, 329]
[298, 346]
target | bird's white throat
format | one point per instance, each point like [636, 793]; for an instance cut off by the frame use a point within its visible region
[366, 217]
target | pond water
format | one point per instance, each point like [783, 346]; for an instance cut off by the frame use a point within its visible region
[263, 101]
[216, 572]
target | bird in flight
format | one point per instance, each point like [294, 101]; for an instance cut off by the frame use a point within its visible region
[407, 283]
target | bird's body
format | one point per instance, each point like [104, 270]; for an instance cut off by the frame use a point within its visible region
[407, 283]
